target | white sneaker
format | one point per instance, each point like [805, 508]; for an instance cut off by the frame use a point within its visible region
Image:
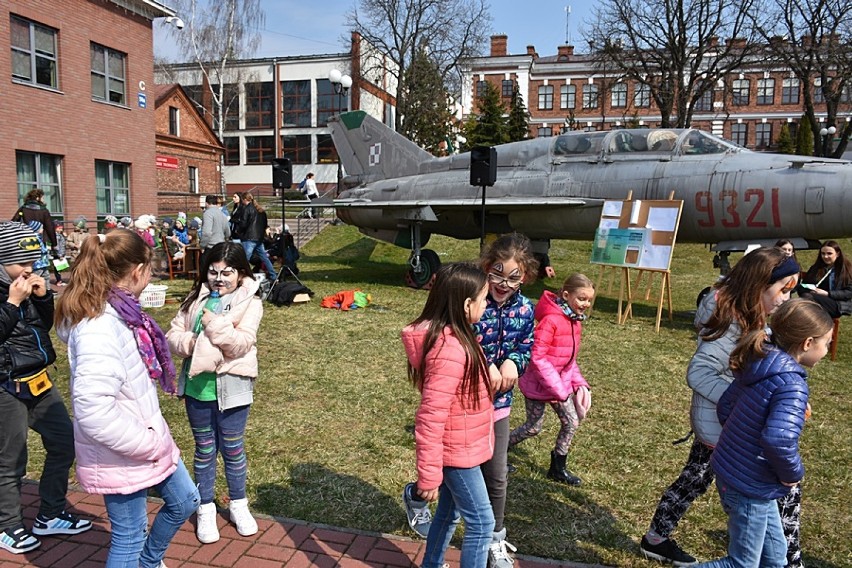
[240, 516]
[206, 529]
[498, 556]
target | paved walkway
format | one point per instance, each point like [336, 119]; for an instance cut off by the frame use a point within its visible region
[279, 543]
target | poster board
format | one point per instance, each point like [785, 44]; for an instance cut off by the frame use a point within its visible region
[637, 234]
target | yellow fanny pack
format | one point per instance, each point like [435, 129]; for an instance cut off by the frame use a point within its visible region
[36, 383]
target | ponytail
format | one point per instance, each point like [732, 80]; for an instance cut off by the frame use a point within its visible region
[750, 346]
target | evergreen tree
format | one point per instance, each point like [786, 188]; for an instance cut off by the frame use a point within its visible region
[518, 127]
[805, 137]
[785, 141]
[488, 126]
[428, 121]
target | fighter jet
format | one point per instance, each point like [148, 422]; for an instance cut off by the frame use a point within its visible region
[554, 188]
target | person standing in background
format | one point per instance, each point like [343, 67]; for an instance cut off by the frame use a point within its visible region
[214, 226]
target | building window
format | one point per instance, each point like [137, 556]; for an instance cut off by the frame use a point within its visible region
[545, 97]
[232, 151]
[230, 107]
[545, 131]
[790, 91]
[297, 148]
[704, 103]
[739, 92]
[260, 149]
[33, 53]
[193, 179]
[296, 104]
[40, 171]
[481, 87]
[568, 96]
[763, 135]
[590, 96]
[507, 88]
[642, 96]
[326, 152]
[112, 188]
[765, 91]
[108, 74]
[819, 96]
[329, 103]
[618, 96]
[739, 133]
[260, 105]
[174, 121]
[196, 94]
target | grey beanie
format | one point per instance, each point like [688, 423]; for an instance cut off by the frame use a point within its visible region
[18, 244]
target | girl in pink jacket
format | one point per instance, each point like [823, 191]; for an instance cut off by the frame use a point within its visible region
[553, 376]
[453, 427]
[219, 347]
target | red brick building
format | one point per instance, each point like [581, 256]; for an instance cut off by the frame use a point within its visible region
[188, 151]
[569, 91]
[77, 113]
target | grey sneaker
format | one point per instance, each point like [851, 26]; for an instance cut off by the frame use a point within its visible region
[417, 510]
[498, 556]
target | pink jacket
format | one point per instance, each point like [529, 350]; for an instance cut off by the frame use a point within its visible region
[553, 374]
[122, 441]
[448, 430]
[229, 343]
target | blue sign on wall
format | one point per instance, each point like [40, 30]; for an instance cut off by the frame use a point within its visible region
[143, 100]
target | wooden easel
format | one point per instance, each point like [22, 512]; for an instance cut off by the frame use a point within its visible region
[665, 294]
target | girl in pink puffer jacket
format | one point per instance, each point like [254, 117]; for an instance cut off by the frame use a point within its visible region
[553, 376]
[453, 426]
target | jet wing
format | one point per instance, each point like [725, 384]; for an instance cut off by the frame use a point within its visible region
[468, 203]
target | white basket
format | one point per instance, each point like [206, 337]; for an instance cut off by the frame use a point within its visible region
[153, 296]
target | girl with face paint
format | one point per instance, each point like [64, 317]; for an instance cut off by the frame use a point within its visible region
[217, 379]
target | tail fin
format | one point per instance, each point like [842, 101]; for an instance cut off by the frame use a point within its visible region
[370, 150]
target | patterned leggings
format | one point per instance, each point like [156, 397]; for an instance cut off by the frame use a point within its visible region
[535, 418]
[697, 476]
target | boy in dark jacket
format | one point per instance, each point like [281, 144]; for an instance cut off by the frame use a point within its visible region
[27, 397]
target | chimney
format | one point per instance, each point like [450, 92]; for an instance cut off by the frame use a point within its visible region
[531, 51]
[499, 45]
[736, 43]
[713, 42]
[564, 52]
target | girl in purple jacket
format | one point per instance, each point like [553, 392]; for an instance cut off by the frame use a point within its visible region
[553, 376]
[757, 458]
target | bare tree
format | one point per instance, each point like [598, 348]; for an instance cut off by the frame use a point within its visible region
[218, 32]
[673, 47]
[449, 30]
[812, 38]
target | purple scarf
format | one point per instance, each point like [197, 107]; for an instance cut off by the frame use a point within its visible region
[150, 339]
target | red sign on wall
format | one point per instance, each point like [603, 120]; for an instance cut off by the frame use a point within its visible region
[167, 162]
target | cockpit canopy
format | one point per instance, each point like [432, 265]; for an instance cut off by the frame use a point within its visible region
[660, 141]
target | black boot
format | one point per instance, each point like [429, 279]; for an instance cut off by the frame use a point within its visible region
[558, 472]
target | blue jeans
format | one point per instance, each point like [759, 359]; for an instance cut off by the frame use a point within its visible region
[755, 535]
[250, 247]
[462, 495]
[218, 432]
[132, 545]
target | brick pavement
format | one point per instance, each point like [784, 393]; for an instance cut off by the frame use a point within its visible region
[280, 543]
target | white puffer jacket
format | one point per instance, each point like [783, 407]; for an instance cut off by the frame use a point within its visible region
[122, 441]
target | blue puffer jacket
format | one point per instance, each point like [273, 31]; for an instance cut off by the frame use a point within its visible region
[762, 413]
[506, 332]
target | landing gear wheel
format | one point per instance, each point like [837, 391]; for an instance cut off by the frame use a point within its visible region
[424, 275]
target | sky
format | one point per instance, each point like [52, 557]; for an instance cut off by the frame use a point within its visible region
[316, 26]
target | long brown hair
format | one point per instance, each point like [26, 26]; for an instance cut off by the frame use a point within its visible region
[445, 308]
[99, 266]
[738, 298]
[792, 324]
[842, 267]
[250, 198]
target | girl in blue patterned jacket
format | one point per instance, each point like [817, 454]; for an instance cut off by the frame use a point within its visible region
[763, 411]
[505, 333]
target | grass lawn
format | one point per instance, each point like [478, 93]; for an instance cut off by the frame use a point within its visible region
[329, 439]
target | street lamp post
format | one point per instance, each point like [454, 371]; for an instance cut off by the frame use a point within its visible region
[341, 84]
[827, 134]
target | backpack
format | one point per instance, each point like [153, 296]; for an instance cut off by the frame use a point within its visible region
[302, 184]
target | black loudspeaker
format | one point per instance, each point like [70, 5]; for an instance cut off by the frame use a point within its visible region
[483, 166]
[282, 173]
